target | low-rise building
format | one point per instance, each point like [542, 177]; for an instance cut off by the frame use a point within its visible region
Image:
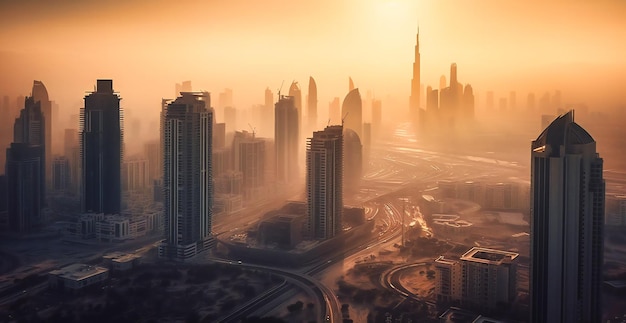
[119, 261]
[77, 276]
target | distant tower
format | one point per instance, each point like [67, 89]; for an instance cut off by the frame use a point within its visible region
[350, 84]
[286, 139]
[442, 83]
[25, 168]
[567, 225]
[296, 93]
[414, 101]
[40, 93]
[187, 178]
[101, 136]
[312, 105]
[248, 157]
[351, 112]
[324, 182]
[353, 160]
[468, 102]
[530, 102]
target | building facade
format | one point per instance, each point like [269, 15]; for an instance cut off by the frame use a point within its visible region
[324, 183]
[101, 135]
[286, 133]
[567, 215]
[187, 178]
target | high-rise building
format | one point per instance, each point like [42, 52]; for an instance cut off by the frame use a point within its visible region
[136, 175]
[101, 136]
[61, 174]
[324, 183]
[567, 224]
[30, 129]
[25, 184]
[219, 135]
[248, 156]
[296, 93]
[530, 102]
[71, 151]
[187, 178]
[184, 86]
[40, 93]
[154, 156]
[230, 119]
[286, 137]
[267, 116]
[352, 112]
[312, 105]
[414, 101]
[350, 84]
[468, 102]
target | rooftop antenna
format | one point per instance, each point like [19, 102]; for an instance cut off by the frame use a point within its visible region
[328, 124]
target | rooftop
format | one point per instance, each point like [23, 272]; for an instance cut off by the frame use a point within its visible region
[489, 256]
[78, 271]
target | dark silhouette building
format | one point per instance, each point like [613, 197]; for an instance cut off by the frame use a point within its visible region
[30, 129]
[187, 177]
[352, 112]
[286, 139]
[101, 135]
[324, 183]
[25, 184]
[40, 93]
[567, 224]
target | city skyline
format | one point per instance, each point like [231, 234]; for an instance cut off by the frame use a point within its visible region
[578, 49]
[446, 181]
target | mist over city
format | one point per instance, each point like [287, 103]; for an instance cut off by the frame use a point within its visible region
[322, 161]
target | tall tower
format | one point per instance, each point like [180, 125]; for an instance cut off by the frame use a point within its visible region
[414, 101]
[352, 112]
[324, 182]
[567, 214]
[101, 135]
[25, 168]
[286, 130]
[40, 93]
[187, 177]
[312, 105]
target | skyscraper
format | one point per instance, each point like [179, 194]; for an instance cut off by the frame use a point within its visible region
[414, 101]
[334, 111]
[312, 105]
[25, 183]
[40, 93]
[294, 91]
[567, 214]
[187, 178]
[101, 135]
[286, 137]
[248, 157]
[350, 84]
[30, 129]
[324, 182]
[351, 112]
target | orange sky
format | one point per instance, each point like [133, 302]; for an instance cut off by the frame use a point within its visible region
[146, 46]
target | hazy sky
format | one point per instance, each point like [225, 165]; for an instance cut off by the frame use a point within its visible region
[147, 46]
